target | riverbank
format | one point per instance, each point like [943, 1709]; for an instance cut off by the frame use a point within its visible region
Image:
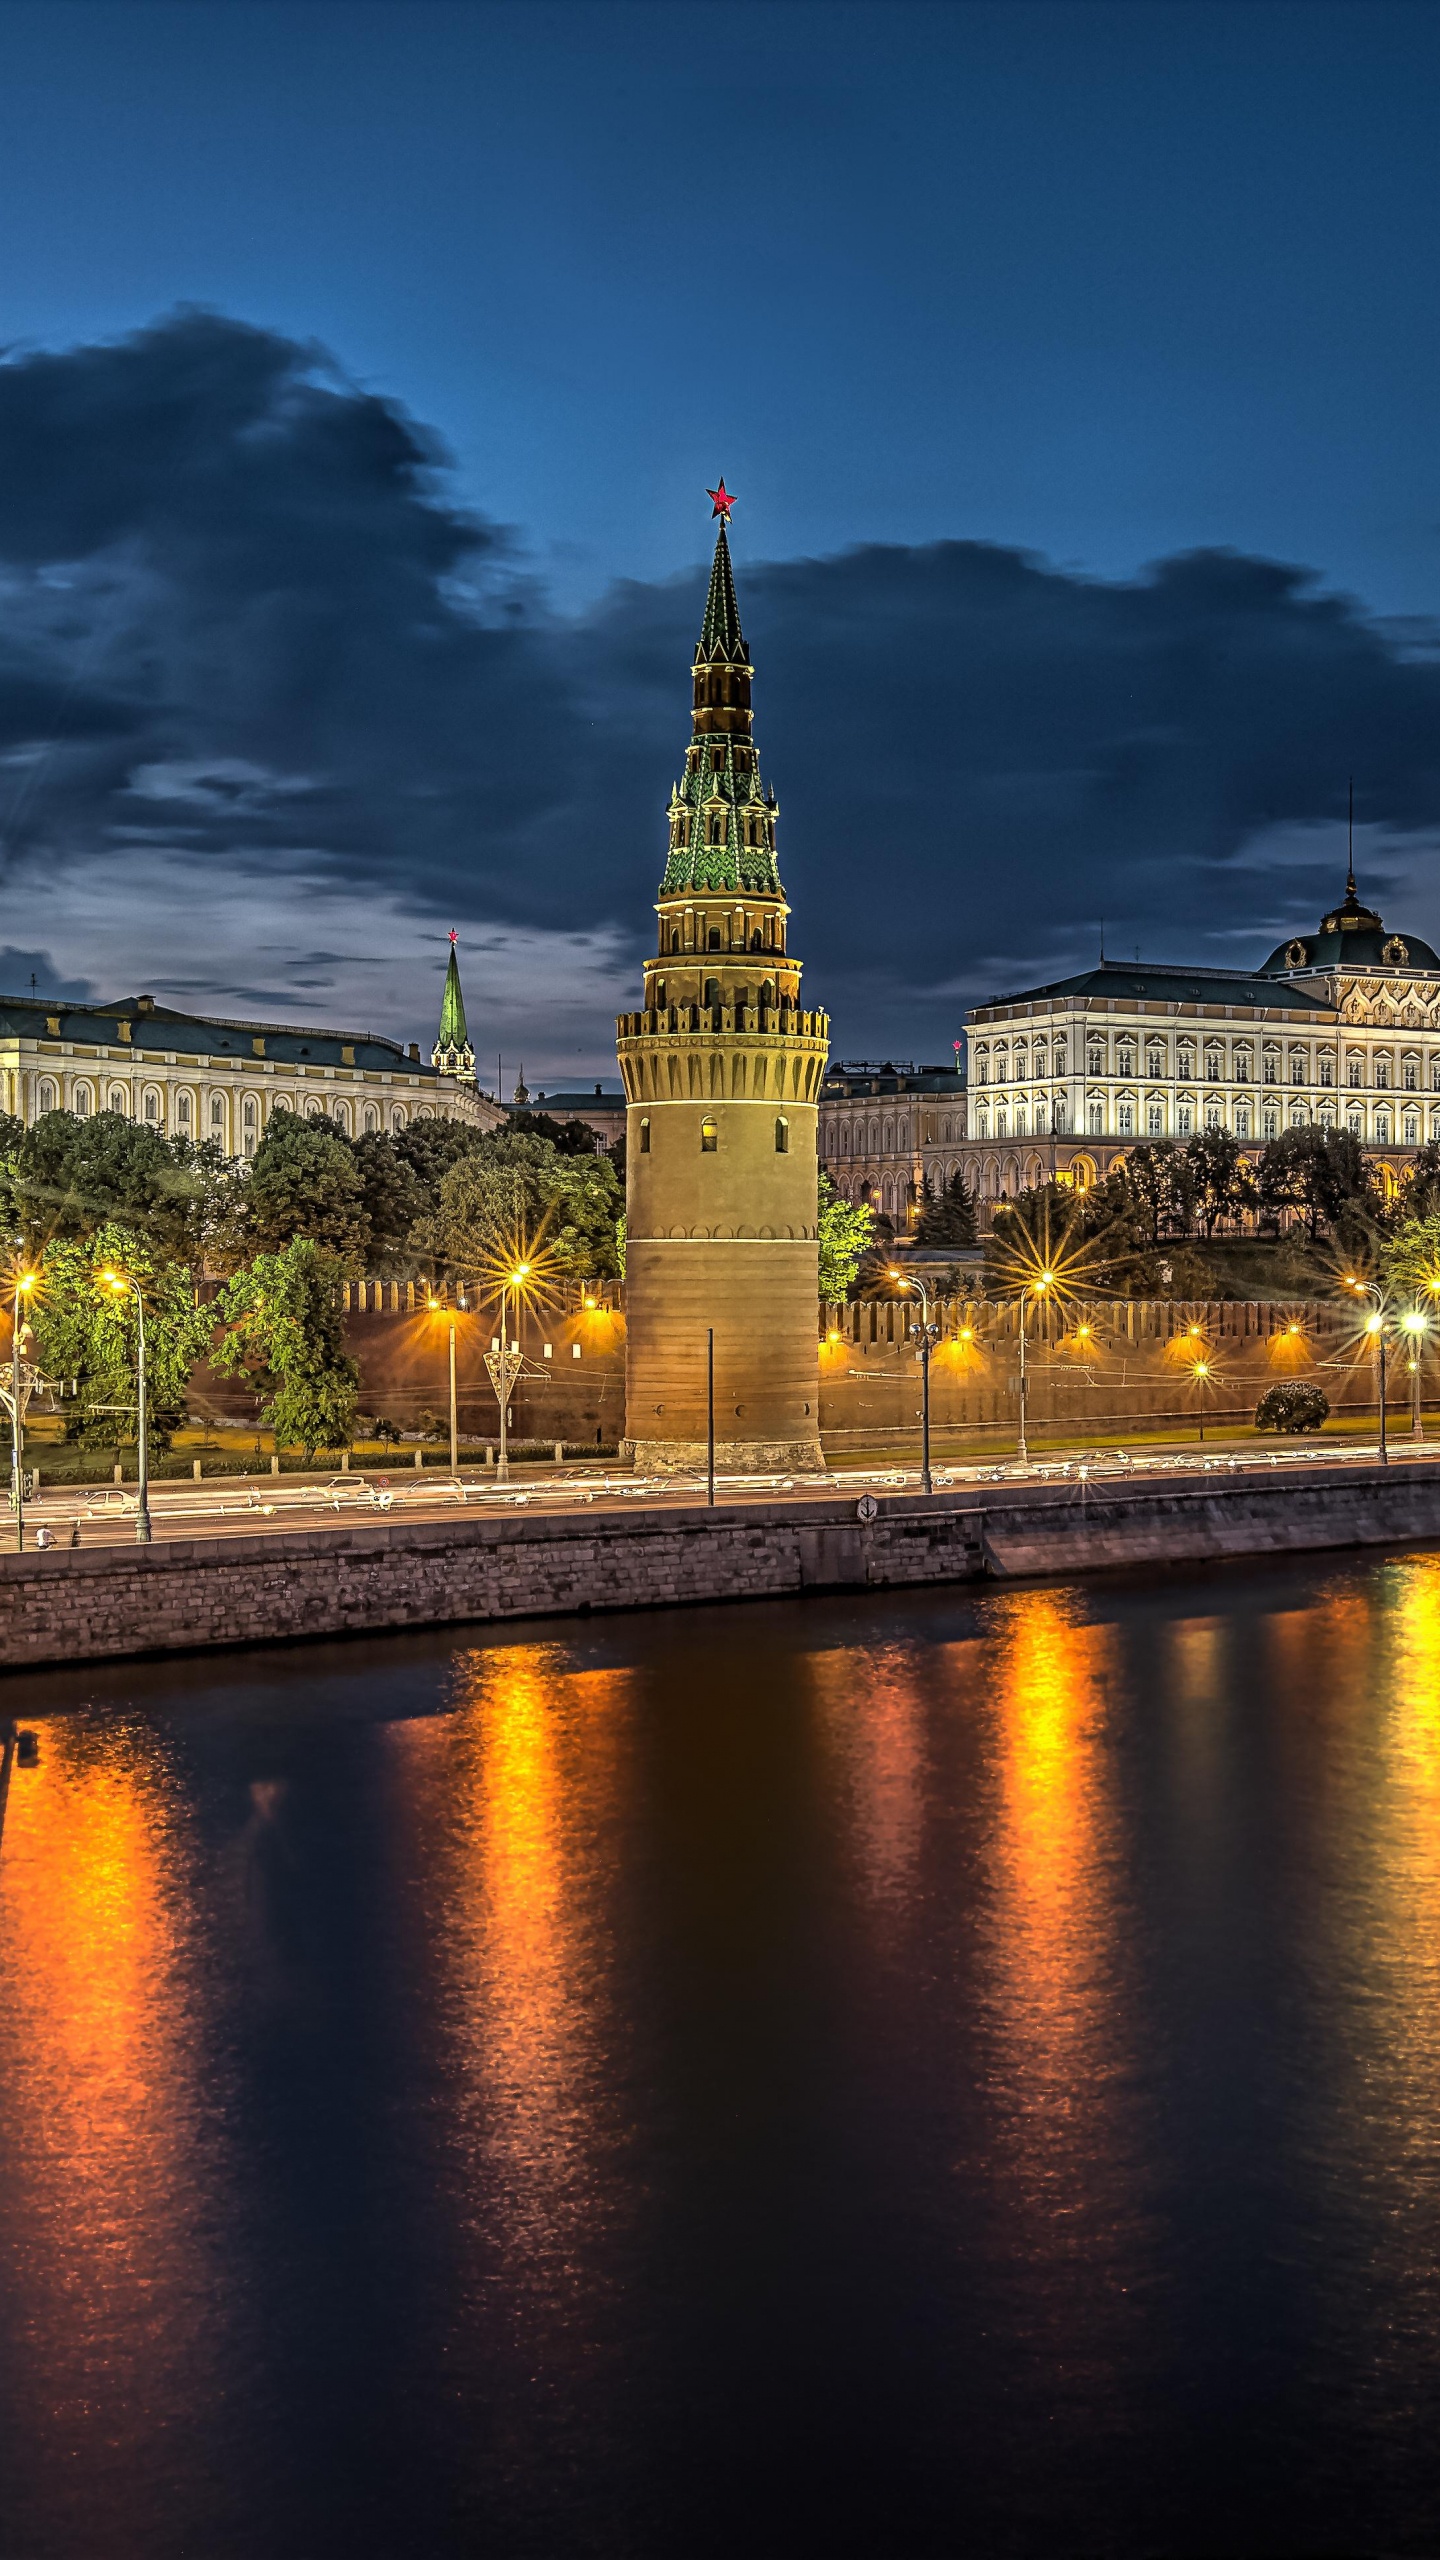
[266, 1586]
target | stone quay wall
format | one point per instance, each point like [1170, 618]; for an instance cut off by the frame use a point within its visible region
[104, 1604]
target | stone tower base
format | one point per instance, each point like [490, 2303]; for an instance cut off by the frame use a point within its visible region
[732, 1457]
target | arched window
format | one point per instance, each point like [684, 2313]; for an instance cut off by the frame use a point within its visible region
[1412, 1129]
[782, 1136]
[709, 1136]
[117, 1099]
[152, 1109]
[340, 1114]
[712, 938]
[217, 1112]
[397, 1117]
[182, 1111]
[645, 1137]
[1095, 1119]
[47, 1094]
[249, 1111]
[372, 1120]
[82, 1101]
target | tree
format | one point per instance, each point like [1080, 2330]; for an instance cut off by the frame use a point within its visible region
[949, 1222]
[285, 1314]
[394, 1199]
[304, 1181]
[1410, 1262]
[514, 1193]
[430, 1148]
[846, 1229]
[1320, 1172]
[1158, 1202]
[568, 1137]
[71, 1177]
[86, 1336]
[1219, 1181]
[1421, 1197]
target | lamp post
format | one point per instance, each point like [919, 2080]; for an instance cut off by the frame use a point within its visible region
[505, 1363]
[1038, 1289]
[114, 1280]
[436, 1309]
[1375, 1327]
[1416, 1326]
[928, 1333]
[23, 1381]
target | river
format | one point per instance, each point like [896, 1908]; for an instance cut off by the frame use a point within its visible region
[957, 2073]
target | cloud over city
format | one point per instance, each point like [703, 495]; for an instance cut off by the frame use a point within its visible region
[275, 710]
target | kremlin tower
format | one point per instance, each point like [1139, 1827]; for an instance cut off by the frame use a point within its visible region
[722, 1073]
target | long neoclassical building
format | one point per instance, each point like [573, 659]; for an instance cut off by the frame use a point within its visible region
[191, 1076]
[1336, 1029]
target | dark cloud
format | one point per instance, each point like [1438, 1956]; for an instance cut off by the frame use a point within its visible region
[246, 625]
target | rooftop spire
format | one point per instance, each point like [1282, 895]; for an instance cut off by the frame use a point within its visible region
[722, 642]
[452, 1052]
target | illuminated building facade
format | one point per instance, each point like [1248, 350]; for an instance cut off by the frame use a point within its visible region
[722, 1070]
[892, 1135]
[1338, 1029]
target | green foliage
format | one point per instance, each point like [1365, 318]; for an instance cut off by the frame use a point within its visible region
[846, 1233]
[394, 1199]
[287, 1338]
[1322, 1173]
[949, 1222]
[1292, 1406]
[67, 1177]
[87, 1334]
[568, 1137]
[1410, 1262]
[304, 1181]
[520, 1187]
[1421, 1196]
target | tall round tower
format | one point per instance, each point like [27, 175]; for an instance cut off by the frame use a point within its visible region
[722, 1075]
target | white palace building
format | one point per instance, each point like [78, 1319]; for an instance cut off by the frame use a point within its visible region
[188, 1075]
[1337, 1029]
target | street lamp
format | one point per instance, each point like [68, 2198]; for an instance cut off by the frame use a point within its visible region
[23, 1382]
[1200, 1371]
[114, 1280]
[929, 1333]
[1039, 1289]
[1375, 1327]
[506, 1361]
[1417, 1326]
[436, 1309]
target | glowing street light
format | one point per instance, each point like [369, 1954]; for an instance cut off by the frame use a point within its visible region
[929, 1333]
[1375, 1327]
[119, 1283]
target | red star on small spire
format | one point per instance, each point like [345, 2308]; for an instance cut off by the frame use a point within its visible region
[453, 935]
[723, 501]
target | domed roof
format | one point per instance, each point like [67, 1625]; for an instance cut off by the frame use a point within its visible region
[1351, 938]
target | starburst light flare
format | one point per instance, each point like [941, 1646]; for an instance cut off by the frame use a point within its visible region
[1052, 1263]
[520, 1262]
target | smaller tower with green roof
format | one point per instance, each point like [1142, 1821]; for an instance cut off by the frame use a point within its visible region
[452, 1053]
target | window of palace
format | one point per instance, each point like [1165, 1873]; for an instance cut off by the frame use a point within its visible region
[1155, 1120]
[47, 1095]
[1270, 1124]
[1410, 1075]
[1002, 1124]
[1352, 1071]
[1154, 1062]
[1242, 1121]
[1125, 1119]
[1094, 1061]
[1272, 1067]
[984, 1124]
[1327, 1071]
[982, 1067]
[1095, 1119]
[1124, 1061]
[1353, 1123]
[1184, 1119]
[82, 1102]
[1242, 1066]
[1214, 1066]
[1212, 1115]
[1382, 1075]
[1060, 1057]
[1382, 1128]
[1435, 1075]
[182, 1109]
[1039, 1119]
[1059, 1119]
[248, 1115]
[117, 1098]
[1021, 1123]
[1297, 1066]
[1412, 1129]
[217, 1111]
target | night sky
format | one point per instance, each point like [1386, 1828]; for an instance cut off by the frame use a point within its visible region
[1077, 369]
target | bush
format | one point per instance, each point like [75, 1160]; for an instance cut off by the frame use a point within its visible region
[1291, 1407]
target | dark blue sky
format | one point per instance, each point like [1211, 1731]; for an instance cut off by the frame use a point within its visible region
[1101, 284]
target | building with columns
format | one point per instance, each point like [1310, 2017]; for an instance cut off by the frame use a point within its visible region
[1336, 1029]
[190, 1075]
[892, 1135]
[722, 1068]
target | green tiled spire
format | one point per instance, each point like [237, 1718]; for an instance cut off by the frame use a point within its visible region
[452, 1052]
[452, 1006]
[722, 819]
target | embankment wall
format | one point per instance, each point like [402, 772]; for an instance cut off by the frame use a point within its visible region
[102, 1604]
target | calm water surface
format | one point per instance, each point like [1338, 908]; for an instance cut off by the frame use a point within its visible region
[955, 2075]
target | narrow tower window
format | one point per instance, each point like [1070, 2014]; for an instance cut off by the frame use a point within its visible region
[782, 1136]
[644, 1137]
[709, 1136]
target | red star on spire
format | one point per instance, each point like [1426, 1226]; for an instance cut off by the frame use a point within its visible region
[723, 501]
[453, 937]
